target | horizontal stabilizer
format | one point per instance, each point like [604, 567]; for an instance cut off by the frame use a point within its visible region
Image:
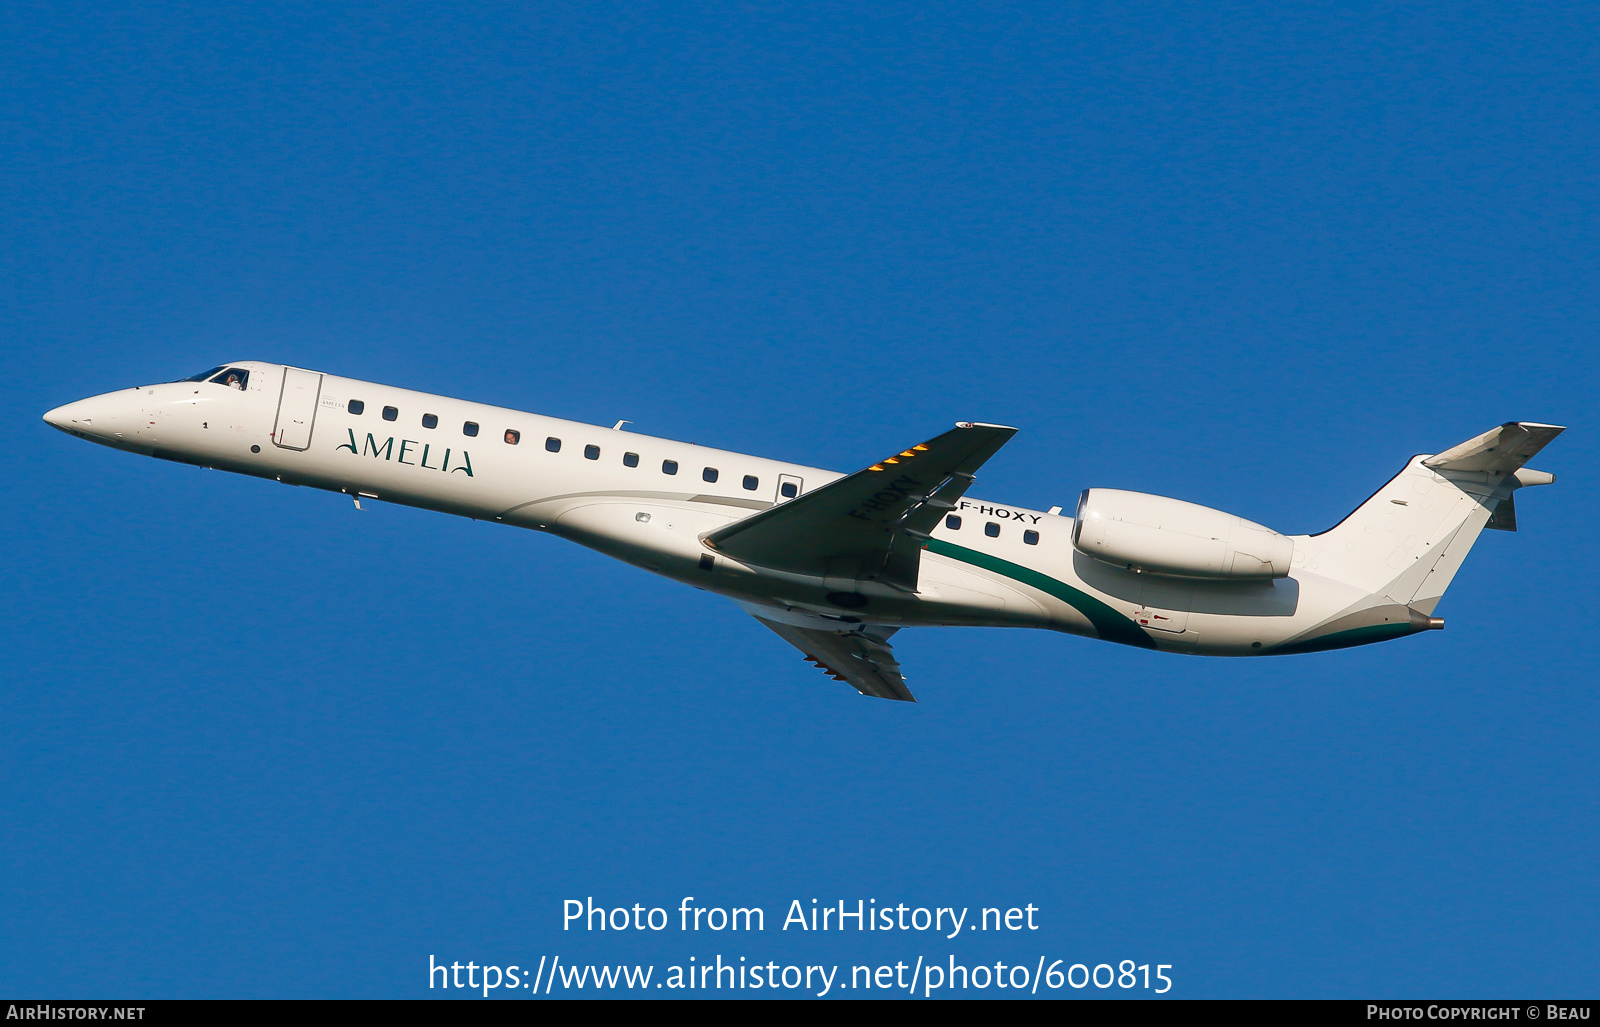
[1499, 450]
[870, 525]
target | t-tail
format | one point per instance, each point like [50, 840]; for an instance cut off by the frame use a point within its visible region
[1399, 551]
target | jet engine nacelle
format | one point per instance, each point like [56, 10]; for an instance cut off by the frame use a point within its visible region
[1158, 535]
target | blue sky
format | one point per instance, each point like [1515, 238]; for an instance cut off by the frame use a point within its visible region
[1253, 256]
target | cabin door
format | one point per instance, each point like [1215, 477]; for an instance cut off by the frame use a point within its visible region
[297, 408]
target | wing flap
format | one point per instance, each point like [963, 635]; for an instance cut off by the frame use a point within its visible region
[870, 525]
[854, 657]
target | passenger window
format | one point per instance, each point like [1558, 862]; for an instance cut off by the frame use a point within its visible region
[513, 437]
[992, 530]
[669, 467]
[952, 522]
[751, 482]
[470, 429]
[430, 420]
[552, 445]
[355, 406]
[390, 413]
[233, 378]
[789, 490]
[630, 459]
[1031, 537]
[709, 474]
[591, 452]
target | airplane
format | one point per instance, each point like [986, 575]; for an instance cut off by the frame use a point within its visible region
[836, 563]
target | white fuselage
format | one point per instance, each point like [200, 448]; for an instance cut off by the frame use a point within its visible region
[611, 490]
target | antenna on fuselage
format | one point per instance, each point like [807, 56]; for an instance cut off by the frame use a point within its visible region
[619, 424]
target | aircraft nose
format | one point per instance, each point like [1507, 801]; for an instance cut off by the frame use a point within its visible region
[68, 416]
[88, 417]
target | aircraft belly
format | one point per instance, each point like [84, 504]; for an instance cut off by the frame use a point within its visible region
[951, 594]
[663, 537]
[1236, 620]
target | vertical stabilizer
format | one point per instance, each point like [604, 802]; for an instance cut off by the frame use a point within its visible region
[1404, 545]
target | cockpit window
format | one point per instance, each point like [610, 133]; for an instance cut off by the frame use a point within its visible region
[204, 375]
[233, 377]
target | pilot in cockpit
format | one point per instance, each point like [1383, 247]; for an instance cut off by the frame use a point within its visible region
[232, 377]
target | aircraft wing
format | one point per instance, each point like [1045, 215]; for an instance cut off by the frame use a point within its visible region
[855, 657]
[871, 525]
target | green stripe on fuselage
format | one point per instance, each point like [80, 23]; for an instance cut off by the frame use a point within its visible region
[1108, 623]
[1344, 639]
